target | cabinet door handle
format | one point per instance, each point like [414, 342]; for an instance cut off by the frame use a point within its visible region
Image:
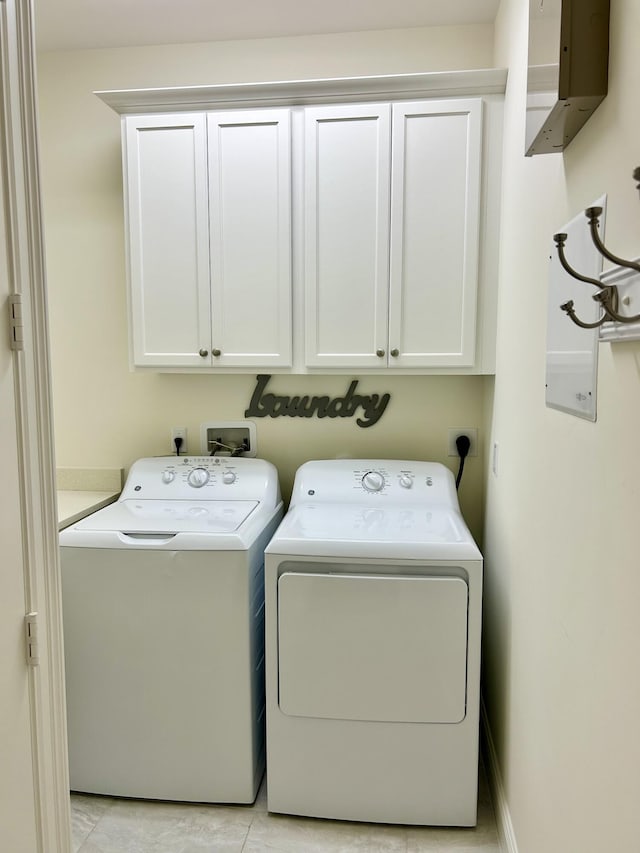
[216, 352]
[380, 353]
[395, 353]
[203, 353]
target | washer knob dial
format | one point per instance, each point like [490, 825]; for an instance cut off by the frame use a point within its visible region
[373, 481]
[406, 481]
[229, 477]
[168, 476]
[198, 477]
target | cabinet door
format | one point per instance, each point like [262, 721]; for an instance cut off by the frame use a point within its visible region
[347, 162]
[250, 204]
[168, 239]
[435, 199]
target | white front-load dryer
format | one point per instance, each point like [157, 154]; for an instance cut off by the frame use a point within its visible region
[163, 612]
[373, 591]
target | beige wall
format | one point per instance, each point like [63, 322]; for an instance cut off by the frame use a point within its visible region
[106, 415]
[562, 632]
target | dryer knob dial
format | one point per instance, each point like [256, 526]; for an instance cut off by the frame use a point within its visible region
[373, 481]
[198, 477]
[168, 476]
[406, 481]
[229, 477]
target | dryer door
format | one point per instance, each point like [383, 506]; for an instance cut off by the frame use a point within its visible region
[372, 647]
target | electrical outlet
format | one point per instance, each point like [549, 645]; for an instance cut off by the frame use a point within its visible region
[179, 432]
[470, 432]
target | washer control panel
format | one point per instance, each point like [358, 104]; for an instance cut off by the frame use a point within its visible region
[202, 477]
[377, 480]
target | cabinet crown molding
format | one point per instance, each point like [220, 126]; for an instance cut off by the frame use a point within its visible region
[436, 84]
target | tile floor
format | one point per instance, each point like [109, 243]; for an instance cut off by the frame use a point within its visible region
[111, 825]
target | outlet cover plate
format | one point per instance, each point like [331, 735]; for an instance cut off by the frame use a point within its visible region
[454, 432]
[179, 432]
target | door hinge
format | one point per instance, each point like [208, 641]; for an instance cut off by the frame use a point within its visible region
[31, 635]
[15, 322]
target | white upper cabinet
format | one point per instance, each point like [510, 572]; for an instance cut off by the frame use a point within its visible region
[209, 238]
[392, 200]
[250, 216]
[340, 225]
[346, 247]
[435, 218]
[166, 206]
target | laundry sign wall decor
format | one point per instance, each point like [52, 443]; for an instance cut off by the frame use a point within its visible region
[369, 407]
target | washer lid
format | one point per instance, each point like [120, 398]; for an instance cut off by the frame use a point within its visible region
[406, 531]
[159, 516]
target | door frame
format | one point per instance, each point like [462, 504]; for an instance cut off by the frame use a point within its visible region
[23, 235]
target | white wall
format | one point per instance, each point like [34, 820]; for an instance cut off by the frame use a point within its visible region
[107, 416]
[562, 633]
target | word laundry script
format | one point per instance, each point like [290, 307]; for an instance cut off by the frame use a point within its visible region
[264, 405]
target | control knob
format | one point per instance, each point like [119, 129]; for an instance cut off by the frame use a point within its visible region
[168, 476]
[373, 481]
[406, 481]
[198, 477]
[229, 477]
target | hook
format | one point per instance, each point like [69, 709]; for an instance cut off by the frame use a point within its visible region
[593, 215]
[612, 309]
[604, 295]
[560, 240]
[567, 307]
[607, 296]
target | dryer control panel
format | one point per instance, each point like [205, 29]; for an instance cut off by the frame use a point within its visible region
[375, 480]
[202, 478]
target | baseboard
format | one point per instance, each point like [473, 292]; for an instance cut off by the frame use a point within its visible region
[506, 835]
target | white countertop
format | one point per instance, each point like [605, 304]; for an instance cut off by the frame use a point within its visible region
[76, 504]
[82, 491]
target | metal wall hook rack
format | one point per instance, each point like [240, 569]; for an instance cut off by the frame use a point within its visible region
[607, 296]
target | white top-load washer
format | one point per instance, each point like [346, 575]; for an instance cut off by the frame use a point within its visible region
[373, 589]
[163, 608]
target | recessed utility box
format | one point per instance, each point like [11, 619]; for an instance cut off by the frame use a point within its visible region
[228, 438]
